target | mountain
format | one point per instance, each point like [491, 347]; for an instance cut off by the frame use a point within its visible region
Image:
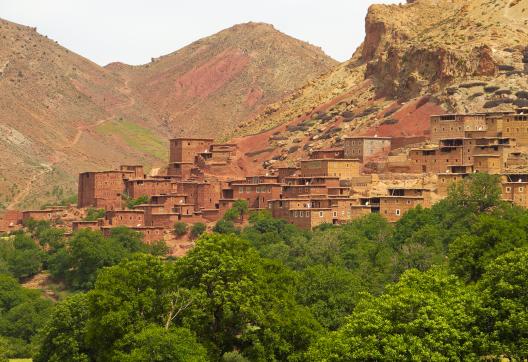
[61, 114]
[210, 86]
[418, 58]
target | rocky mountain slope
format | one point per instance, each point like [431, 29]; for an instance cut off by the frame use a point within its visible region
[61, 114]
[418, 58]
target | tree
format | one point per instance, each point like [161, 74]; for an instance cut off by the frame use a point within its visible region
[21, 255]
[241, 207]
[478, 192]
[198, 229]
[126, 298]
[63, 337]
[224, 226]
[425, 316]
[330, 292]
[241, 301]
[504, 287]
[130, 239]
[489, 236]
[93, 214]
[157, 344]
[131, 203]
[25, 319]
[180, 228]
[88, 252]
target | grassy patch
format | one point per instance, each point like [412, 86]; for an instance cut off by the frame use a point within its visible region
[139, 138]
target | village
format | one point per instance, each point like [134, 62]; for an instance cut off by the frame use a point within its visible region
[332, 186]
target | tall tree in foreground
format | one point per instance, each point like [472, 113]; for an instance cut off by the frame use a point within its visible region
[505, 292]
[427, 316]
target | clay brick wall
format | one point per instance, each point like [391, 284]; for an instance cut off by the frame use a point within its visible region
[344, 169]
[101, 189]
[327, 154]
[186, 149]
[147, 187]
[516, 126]
[257, 195]
[130, 218]
[363, 148]
[136, 170]
[516, 192]
[487, 163]
[393, 207]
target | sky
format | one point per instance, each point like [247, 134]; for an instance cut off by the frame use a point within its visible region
[133, 31]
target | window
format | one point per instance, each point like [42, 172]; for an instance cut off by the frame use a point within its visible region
[301, 213]
[335, 213]
[508, 189]
[398, 212]
[521, 189]
[320, 213]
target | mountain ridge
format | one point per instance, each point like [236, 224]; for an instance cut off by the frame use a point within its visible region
[62, 114]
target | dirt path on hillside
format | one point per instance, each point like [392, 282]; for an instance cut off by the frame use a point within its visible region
[59, 155]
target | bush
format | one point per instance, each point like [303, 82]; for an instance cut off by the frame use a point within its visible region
[390, 121]
[503, 92]
[131, 203]
[522, 94]
[521, 103]
[473, 84]
[491, 89]
[93, 214]
[180, 228]
[347, 114]
[295, 128]
[451, 90]
[293, 149]
[507, 68]
[198, 229]
[497, 102]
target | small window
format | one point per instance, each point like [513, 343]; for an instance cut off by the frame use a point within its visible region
[508, 189]
[521, 189]
[398, 212]
[320, 213]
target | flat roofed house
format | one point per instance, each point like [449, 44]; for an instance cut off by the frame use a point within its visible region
[364, 147]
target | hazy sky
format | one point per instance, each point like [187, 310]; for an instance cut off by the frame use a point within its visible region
[133, 31]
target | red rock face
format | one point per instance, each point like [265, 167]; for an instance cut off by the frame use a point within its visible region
[199, 82]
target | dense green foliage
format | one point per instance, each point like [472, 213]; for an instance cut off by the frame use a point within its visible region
[442, 284]
[22, 313]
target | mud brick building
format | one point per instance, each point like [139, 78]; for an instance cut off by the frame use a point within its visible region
[135, 188]
[342, 168]
[365, 147]
[398, 201]
[102, 189]
[130, 218]
[10, 221]
[515, 188]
